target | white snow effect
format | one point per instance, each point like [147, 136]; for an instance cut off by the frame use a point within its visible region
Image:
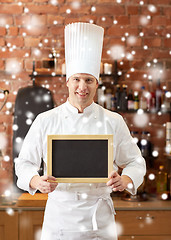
[75, 4]
[54, 2]
[117, 52]
[151, 176]
[131, 40]
[10, 211]
[13, 66]
[144, 20]
[141, 120]
[152, 8]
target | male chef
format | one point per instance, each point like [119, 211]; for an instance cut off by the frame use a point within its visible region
[80, 211]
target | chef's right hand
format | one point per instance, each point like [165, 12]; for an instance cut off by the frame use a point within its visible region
[44, 184]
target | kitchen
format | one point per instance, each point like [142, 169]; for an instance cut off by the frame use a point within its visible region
[136, 53]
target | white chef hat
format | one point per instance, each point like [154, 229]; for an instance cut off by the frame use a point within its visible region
[83, 48]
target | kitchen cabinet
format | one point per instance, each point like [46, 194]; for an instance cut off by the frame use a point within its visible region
[144, 224]
[8, 225]
[30, 224]
[148, 220]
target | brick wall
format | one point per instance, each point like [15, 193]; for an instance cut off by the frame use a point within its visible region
[28, 27]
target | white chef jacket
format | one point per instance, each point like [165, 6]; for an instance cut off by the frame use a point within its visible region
[65, 119]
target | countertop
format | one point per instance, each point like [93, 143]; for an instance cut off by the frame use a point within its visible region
[37, 202]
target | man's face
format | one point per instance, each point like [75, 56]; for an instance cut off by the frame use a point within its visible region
[82, 89]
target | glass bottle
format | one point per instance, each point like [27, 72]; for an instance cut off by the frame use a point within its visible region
[101, 93]
[143, 99]
[136, 101]
[158, 96]
[124, 99]
[117, 96]
[130, 100]
[161, 180]
[151, 97]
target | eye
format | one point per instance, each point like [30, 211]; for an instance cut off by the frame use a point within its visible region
[76, 79]
[89, 80]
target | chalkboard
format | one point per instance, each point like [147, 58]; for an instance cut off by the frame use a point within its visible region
[80, 158]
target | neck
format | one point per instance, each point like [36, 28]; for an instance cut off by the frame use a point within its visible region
[79, 106]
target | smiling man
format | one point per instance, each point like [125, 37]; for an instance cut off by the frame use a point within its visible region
[80, 211]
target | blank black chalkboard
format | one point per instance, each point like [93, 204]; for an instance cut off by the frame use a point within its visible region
[80, 158]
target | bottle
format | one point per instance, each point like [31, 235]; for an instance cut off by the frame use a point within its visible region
[117, 96]
[158, 95]
[145, 144]
[168, 138]
[136, 101]
[161, 180]
[146, 148]
[124, 99]
[108, 98]
[151, 97]
[143, 99]
[130, 100]
[101, 93]
[166, 105]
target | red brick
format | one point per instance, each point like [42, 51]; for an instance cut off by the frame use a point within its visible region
[167, 42]
[146, 11]
[122, 20]
[159, 21]
[22, 20]
[138, 20]
[107, 23]
[42, 9]
[133, 10]
[160, 2]
[160, 54]
[57, 30]
[153, 31]
[109, 10]
[14, 54]
[167, 11]
[83, 9]
[11, 9]
[13, 31]
[38, 20]
[18, 41]
[31, 42]
[152, 42]
[142, 54]
[1, 64]
[5, 19]
[2, 42]
[120, 31]
[137, 41]
[34, 31]
[2, 31]
[114, 41]
[52, 18]
[87, 18]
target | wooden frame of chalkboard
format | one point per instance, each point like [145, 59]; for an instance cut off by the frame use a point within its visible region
[80, 158]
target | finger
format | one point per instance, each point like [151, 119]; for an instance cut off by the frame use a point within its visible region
[112, 174]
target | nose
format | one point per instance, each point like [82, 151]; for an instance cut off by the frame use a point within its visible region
[82, 85]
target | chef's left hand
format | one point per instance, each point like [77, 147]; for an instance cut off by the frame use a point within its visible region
[117, 182]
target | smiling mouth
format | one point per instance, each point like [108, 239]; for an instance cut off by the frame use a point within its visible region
[82, 94]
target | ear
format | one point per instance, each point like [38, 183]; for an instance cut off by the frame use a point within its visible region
[67, 82]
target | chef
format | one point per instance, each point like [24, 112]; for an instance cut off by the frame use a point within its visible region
[80, 211]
